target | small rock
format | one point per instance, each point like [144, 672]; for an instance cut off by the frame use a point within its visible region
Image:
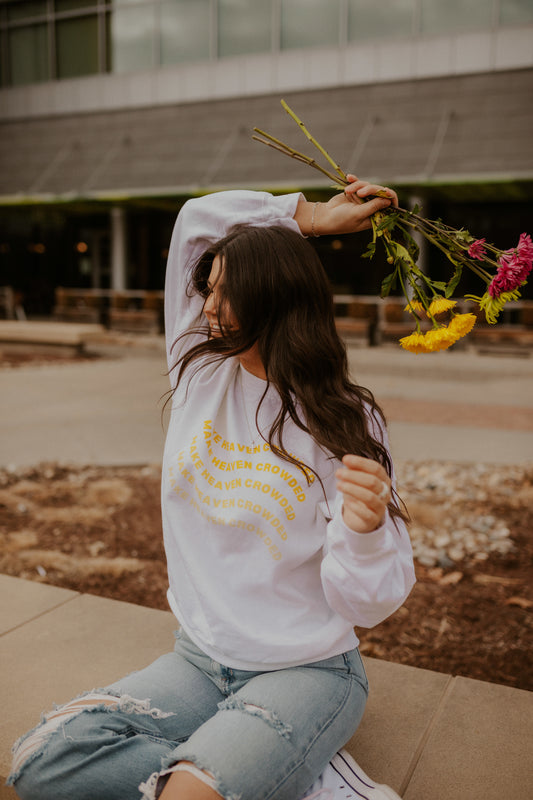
[442, 539]
[95, 548]
[427, 559]
[445, 561]
[456, 553]
[523, 602]
[451, 578]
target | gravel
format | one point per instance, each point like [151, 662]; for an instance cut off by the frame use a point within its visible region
[447, 503]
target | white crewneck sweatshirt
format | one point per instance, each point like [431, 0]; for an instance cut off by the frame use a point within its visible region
[263, 572]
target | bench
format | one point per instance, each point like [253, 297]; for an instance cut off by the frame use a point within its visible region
[128, 310]
[370, 317]
[357, 316]
[349, 327]
[378, 320]
[45, 335]
[10, 304]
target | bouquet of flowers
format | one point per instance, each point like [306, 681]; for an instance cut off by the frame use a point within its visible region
[503, 272]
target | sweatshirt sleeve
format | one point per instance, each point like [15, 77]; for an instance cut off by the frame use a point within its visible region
[367, 576]
[202, 222]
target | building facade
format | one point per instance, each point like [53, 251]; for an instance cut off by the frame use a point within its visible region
[113, 112]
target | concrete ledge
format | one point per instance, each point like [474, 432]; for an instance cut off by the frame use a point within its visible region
[427, 734]
[43, 333]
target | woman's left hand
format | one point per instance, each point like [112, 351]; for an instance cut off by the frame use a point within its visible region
[350, 211]
[366, 491]
[347, 212]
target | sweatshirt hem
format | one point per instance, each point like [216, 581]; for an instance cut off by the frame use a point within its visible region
[343, 645]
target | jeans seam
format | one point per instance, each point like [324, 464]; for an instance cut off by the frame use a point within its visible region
[362, 678]
[351, 680]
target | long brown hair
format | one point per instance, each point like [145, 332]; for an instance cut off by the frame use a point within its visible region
[278, 291]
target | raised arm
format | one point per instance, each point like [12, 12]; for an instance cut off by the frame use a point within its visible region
[204, 220]
[201, 222]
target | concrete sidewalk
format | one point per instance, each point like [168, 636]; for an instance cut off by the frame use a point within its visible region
[453, 405]
[109, 411]
[431, 736]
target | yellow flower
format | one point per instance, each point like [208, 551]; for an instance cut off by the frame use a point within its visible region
[461, 324]
[413, 306]
[439, 305]
[436, 339]
[439, 339]
[415, 343]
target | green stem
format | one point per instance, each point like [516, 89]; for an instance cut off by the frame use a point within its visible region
[443, 237]
[422, 225]
[313, 141]
[479, 271]
[294, 154]
[404, 290]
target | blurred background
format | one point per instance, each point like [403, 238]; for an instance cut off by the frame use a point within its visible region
[114, 112]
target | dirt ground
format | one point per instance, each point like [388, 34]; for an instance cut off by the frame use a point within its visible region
[98, 530]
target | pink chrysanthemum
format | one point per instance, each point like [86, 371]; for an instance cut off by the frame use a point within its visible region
[515, 266]
[525, 254]
[477, 250]
[506, 279]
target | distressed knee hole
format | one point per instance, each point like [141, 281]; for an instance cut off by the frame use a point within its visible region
[203, 775]
[92, 700]
[33, 743]
[153, 787]
[270, 717]
[155, 784]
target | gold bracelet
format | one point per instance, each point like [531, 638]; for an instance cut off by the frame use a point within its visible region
[313, 232]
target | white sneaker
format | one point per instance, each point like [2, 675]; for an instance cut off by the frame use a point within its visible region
[343, 779]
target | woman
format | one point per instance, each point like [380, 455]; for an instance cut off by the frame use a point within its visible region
[282, 530]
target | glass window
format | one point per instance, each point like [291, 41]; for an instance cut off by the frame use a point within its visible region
[16, 11]
[456, 15]
[107, 39]
[74, 5]
[307, 23]
[132, 36]
[244, 26]
[185, 30]
[370, 20]
[28, 55]
[3, 65]
[77, 46]
[516, 12]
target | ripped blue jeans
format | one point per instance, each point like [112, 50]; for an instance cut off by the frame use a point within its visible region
[253, 735]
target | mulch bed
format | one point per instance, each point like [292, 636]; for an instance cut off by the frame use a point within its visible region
[98, 530]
